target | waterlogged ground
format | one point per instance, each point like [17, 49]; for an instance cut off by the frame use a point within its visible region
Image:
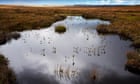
[78, 56]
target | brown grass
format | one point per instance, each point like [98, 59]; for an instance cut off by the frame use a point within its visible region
[133, 64]
[6, 74]
[6, 37]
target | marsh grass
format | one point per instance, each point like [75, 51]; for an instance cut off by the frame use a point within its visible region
[6, 37]
[133, 62]
[6, 74]
[60, 29]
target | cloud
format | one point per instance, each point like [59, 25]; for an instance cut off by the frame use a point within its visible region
[30, 76]
[113, 2]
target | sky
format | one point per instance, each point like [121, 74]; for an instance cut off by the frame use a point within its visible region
[71, 2]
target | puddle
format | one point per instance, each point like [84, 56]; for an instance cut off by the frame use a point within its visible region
[78, 56]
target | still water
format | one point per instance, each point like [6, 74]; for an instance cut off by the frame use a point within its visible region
[78, 56]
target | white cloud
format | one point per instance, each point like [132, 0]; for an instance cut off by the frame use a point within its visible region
[113, 2]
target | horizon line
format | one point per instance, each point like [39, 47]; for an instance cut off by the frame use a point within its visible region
[71, 4]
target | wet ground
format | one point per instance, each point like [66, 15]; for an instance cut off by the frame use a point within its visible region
[78, 56]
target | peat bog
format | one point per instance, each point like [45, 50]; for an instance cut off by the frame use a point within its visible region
[23, 26]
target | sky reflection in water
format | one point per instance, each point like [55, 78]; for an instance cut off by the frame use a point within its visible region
[46, 57]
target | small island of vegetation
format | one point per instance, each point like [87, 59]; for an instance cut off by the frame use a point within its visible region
[60, 29]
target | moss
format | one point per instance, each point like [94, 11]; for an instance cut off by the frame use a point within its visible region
[60, 29]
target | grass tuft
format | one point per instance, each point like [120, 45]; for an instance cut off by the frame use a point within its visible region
[133, 62]
[60, 29]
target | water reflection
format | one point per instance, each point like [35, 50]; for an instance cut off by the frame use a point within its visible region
[30, 76]
[111, 78]
[80, 54]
